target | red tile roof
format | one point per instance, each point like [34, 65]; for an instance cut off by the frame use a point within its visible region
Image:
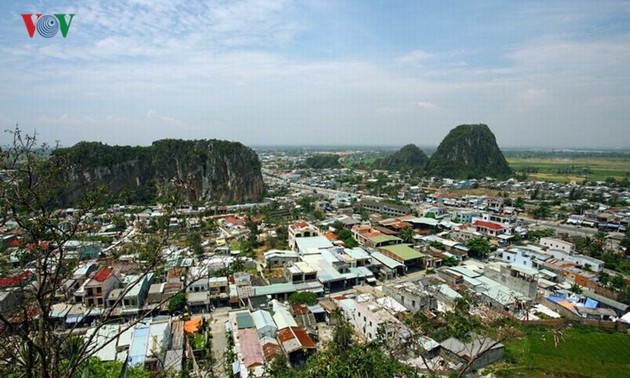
[15, 243]
[489, 225]
[15, 280]
[234, 221]
[102, 275]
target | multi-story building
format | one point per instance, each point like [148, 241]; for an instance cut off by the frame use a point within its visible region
[97, 288]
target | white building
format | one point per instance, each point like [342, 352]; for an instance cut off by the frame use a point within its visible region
[553, 243]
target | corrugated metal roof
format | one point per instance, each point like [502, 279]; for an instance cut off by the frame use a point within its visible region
[271, 348]
[403, 251]
[295, 338]
[282, 317]
[244, 320]
[138, 348]
[387, 261]
[263, 318]
[278, 288]
[250, 348]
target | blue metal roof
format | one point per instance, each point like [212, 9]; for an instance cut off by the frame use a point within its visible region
[138, 348]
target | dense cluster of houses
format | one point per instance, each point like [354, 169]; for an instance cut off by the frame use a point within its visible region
[519, 280]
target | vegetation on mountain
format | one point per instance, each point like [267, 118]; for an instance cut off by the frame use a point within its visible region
[410, 158]
[200, 170]
[321, 161]
[468, 151]
[31, 344]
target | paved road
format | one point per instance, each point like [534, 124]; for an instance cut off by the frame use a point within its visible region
[217, 328]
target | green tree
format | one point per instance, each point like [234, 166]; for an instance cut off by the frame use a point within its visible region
[303, 297]
[407, 234]
[237, 265]
[575, 288]
[279, 367]
[604, 279]
[618, 282]
[34, 185]
[450, 261]
[543, 211]
[177, 302]
[194, 242]
[480, 247]
[625, 242]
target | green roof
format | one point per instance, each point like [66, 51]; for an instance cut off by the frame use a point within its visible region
[384, 238]
[404, 251]
[278, 288]
[244, 320]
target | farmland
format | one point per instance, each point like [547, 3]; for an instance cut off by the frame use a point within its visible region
[582, 352]
[571, 169]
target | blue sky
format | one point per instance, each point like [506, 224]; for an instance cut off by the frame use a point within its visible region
[541, 73]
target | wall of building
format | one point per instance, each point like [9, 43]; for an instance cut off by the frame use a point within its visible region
[414, 301]
[520, 285]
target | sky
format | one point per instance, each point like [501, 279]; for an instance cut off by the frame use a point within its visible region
[552, 74]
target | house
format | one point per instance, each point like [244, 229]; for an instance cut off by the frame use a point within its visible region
[519, 278]
[19, 280]
[98, 287]
[387, 209]
[387, 268]
[277, 259]
[404, 254]
[271, 348]
[367, 317]
[301, 229]
[300, 272]
[197, 280]
[218, 288]
[483, 350]
[251, 353]
[490, 229]
[135, 297]
[412, 296]
[84, 250]
[558, 244]
[295, 340]
[265, 326]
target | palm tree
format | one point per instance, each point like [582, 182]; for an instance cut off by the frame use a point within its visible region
[575, 288]
[407, 234]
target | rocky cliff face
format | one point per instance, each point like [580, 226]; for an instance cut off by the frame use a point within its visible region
[468, 151]
[206, 170]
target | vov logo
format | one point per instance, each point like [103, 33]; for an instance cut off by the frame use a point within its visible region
[47, 25]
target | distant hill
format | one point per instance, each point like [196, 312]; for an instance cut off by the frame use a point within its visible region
[202, 170]
[468, 151]
[409, 158]
[322, 161]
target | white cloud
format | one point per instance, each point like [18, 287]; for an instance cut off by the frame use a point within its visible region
[428, 105]
[414, 57]
[534, 96]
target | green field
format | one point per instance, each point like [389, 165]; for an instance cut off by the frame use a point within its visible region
[569, 169]
[584, 352]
